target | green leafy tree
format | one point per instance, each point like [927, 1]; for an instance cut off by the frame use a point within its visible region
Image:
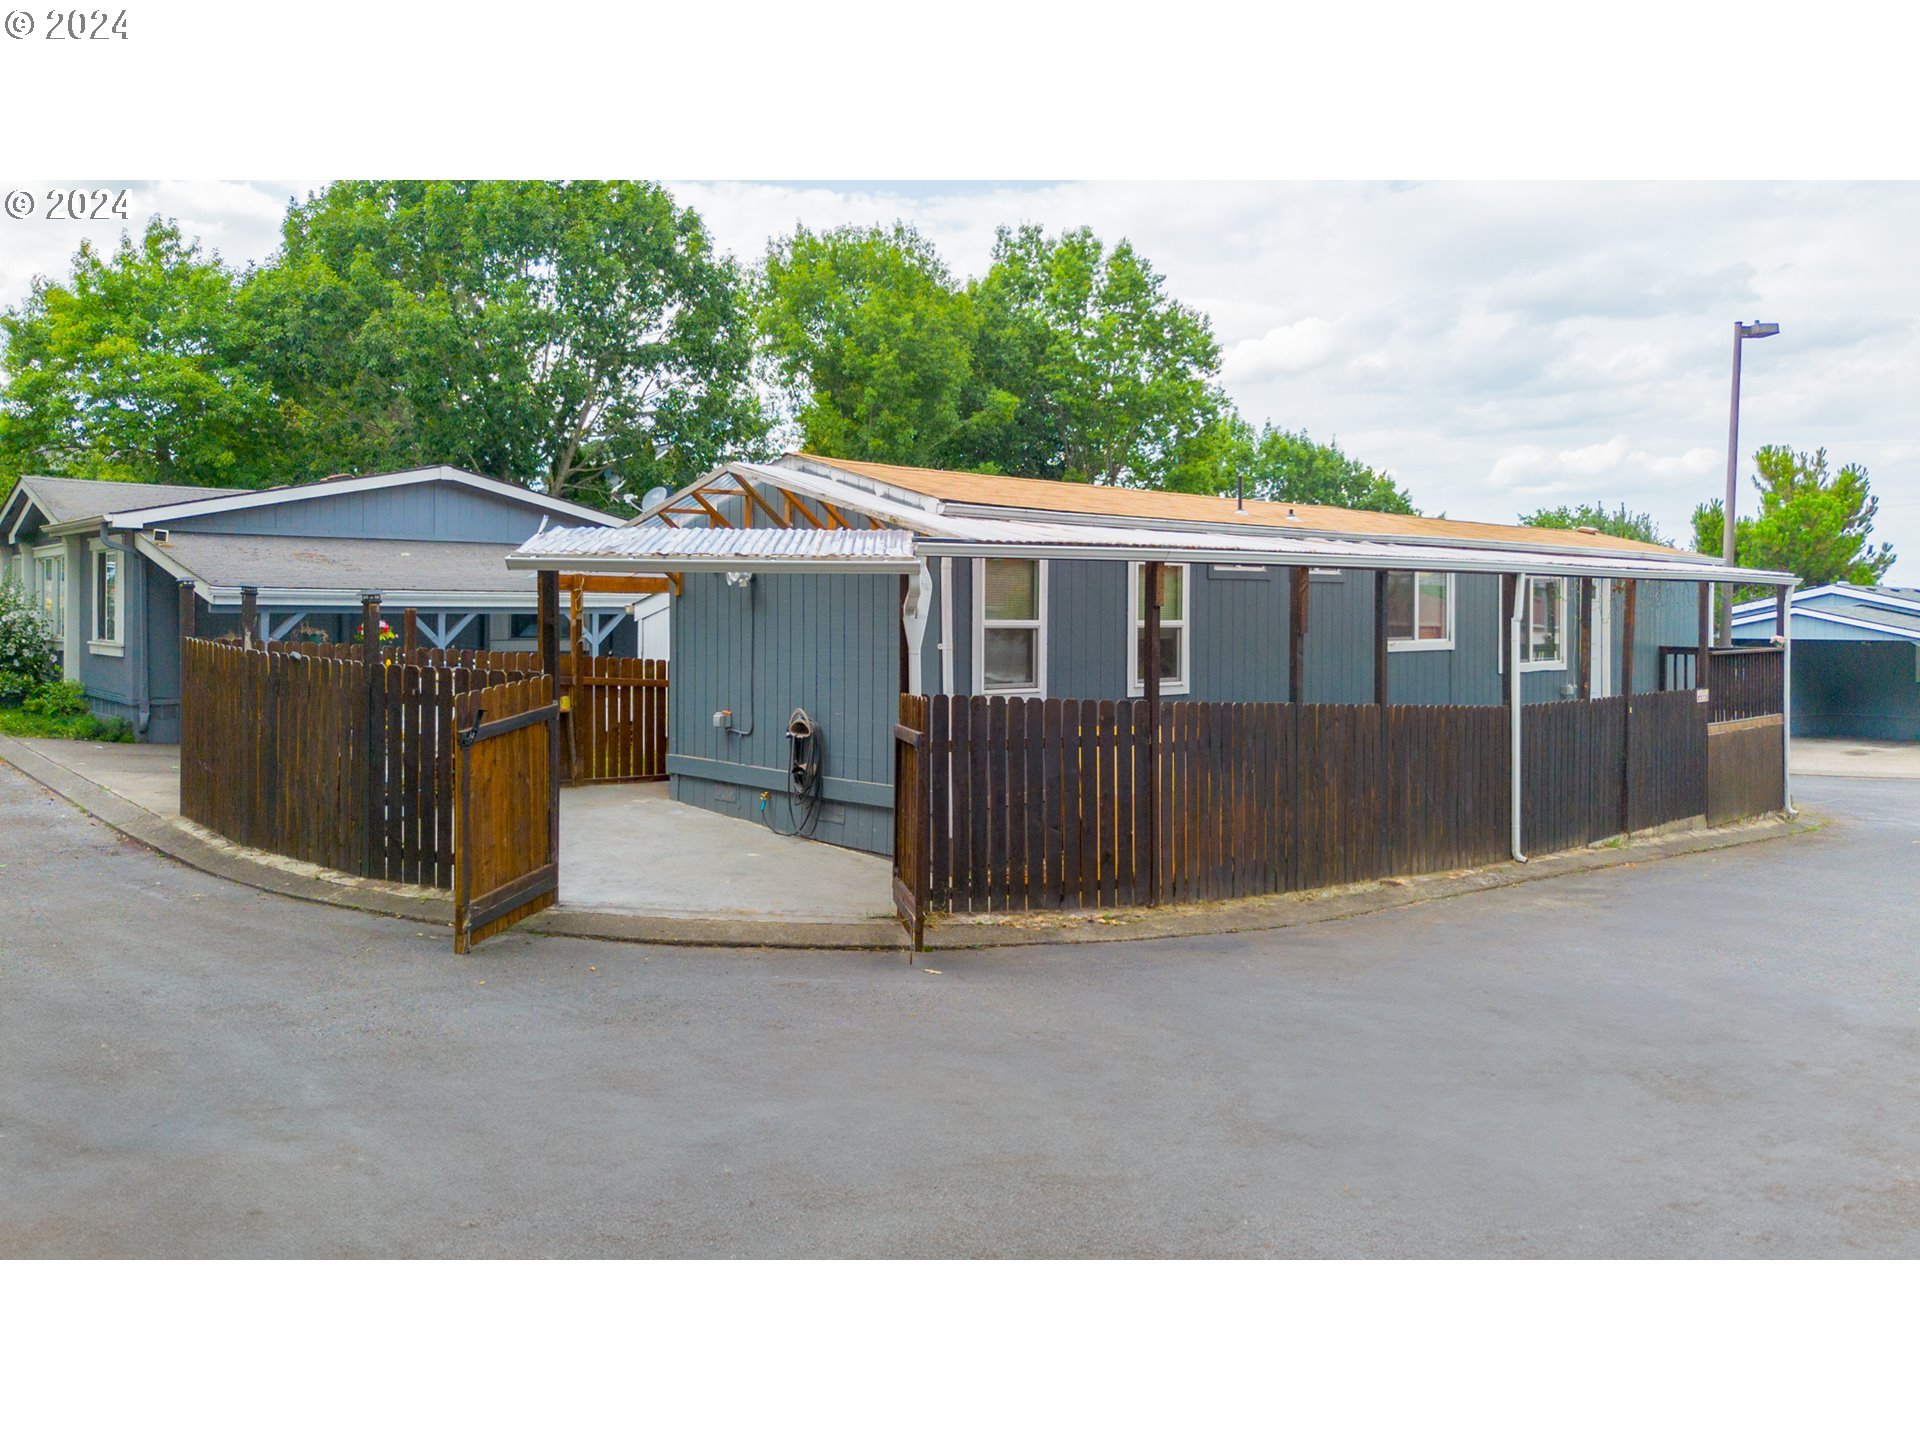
[1813, 523]
[873, 342]
[1285, 465]
[131, 368]
[584, 335]
[1106, 377]
[1620, 521]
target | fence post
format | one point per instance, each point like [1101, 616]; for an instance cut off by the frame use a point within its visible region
[1153, 582]
[409, 630]
[249, 617]
[548, 583]
[373, 827]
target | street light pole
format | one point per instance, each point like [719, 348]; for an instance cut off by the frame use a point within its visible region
[1758, 330]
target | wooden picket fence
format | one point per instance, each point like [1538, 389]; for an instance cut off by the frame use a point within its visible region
[297, 752]
[1011, 805]
[615, 727]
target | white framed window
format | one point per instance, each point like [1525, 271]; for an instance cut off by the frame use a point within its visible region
[1010, 627]
[1543, 624]
[1419, 610]
[109, 602]
[50, 587]
[1176, 674]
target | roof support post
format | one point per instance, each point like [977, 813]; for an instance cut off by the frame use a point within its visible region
[1630, 610]
[249, 617]
[1512, 588]
[1154, 585]
[1299, 580]
[1380, 636]
[1703, 654]
[1584, 634]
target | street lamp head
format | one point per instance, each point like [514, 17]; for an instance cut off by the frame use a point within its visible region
[1759, 330]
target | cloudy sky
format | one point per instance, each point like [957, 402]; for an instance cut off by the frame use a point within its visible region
[1495, 346]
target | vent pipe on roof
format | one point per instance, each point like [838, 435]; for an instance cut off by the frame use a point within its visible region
[1240, 492]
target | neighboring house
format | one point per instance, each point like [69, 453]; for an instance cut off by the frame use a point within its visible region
[1022, 587]
[1855, 660]
[109, 561]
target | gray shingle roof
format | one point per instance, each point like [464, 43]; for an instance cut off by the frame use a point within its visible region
[303, 562]
[63, 500]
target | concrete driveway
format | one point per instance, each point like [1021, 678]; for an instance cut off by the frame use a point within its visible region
[1708, 1056]
[1864, 759]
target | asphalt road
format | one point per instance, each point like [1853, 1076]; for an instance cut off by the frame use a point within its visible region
[1709, 1056]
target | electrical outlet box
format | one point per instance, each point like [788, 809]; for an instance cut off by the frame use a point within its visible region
[722, 719]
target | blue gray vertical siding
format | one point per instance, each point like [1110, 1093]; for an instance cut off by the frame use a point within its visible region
[826, 644]
[1862, 689]
[433, 510]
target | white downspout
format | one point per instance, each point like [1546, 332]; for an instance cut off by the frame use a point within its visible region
[1513, 705]
[946, 625]
[1786, 703]
[914, 618]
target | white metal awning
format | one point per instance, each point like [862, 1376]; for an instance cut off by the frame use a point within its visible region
[633, 549]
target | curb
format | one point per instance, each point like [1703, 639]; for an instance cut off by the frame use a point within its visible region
[189, 844]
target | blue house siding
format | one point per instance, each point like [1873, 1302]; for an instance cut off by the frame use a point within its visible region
[432, 510]
[826, 644]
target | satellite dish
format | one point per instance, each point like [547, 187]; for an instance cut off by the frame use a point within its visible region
[653, 497]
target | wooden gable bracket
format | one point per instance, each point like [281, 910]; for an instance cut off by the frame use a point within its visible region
[794, 502]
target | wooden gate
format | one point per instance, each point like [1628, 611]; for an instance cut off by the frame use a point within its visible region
[910, 828]
[507, 808]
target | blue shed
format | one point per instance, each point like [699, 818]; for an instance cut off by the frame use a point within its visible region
[1855, 659]
[830, 586]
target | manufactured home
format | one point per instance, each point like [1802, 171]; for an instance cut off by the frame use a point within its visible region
[813, 592]
[1856, 659]
[110, 562]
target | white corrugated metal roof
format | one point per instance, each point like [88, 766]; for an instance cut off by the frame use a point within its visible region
[660, 547]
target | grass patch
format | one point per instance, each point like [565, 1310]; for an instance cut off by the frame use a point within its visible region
[21, 725]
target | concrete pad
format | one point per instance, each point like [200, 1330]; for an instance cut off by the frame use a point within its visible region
[628, 848]
[1857, 759]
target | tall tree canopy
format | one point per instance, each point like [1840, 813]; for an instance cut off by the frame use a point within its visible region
[1285, 465]
[873, 342]
[1627, 524]
[130, 369]
[1813, 523]
[581, 334]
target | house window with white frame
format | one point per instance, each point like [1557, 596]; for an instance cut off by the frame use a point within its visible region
[1543, 631]
[50, 589]
[1419, 610]
[109, 602]
[1010, 629]
[1176, 676]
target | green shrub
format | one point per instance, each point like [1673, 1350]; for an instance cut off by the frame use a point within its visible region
[118, 731]
[57, 700]
[29, 650]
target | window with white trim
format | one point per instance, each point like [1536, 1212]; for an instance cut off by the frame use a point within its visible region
[1419, 610]
[1010, 626]
[1176, 676]
[1543, 627]
[109, 601]
[50, 588]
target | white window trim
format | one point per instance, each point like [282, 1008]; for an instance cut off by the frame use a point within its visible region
[95, 645]
[1395, 646]
[1526, 624]
[1039, 689]
[1136, 681]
